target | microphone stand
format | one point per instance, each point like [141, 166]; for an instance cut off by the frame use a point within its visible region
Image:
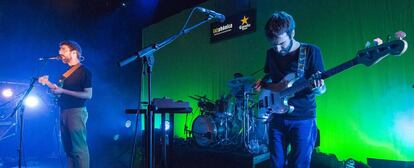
[147, 55]
[20, 106]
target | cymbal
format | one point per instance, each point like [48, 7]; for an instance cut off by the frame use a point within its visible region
[200, 98]
[203, 97]
[241, 82]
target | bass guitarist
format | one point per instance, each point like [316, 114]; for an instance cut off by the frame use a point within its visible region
[296, 128]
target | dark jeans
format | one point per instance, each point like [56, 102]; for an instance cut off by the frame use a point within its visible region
[73, 131]
[300, 134]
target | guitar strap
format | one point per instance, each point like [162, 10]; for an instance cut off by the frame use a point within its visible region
[68, 73]
[301, 60]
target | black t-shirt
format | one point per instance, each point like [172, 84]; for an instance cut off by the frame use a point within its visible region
[80, 79]
[278, 66]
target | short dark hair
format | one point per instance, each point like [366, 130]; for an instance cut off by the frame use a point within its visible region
[237, 75]
[73, 45]
[279, 23]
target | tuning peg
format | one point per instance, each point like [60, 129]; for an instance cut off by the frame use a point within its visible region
[377, 41]
[367, 44]
[400, 35]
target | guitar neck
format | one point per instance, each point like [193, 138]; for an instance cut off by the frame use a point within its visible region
[339, 68]
[367, 57]
[306, 83]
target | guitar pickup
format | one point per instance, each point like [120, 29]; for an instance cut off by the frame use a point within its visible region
[272, 98]
[260, 104]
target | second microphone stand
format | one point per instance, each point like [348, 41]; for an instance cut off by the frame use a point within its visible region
[147, 55]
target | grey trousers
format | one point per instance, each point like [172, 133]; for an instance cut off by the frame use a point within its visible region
[73, 131]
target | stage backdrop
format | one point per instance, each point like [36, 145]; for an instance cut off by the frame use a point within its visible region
[366, 111]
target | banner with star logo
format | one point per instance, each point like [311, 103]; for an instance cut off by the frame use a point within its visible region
[235, 25]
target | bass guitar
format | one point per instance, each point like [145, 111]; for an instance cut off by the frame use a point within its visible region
[271, 102]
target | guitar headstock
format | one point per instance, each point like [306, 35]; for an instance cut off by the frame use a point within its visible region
[43, 80]
[372, 55]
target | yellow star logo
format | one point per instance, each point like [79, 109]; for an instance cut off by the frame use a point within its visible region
[244, 20]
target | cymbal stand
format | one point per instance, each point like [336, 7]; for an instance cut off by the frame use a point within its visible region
[248, 125]
[226, 140]
[246, 119]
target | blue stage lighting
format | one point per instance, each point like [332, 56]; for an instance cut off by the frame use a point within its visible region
[31, 101]
[128, 123]
[7, 93]
[116, 137]
[167, 125]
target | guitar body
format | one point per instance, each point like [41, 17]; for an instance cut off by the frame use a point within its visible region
[273, 102]
[44, 80]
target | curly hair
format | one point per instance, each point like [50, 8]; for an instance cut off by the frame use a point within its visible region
[279, 23]
[73, 46]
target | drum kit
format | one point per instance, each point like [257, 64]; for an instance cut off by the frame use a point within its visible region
[232, 119]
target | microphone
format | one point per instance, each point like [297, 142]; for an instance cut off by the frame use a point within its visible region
[49, 58]
[218, 16]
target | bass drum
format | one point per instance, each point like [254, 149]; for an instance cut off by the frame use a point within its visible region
[205, 131]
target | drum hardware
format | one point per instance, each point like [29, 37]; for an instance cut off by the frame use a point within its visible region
[233, 120]
[226, 140]
[242, 90]
[248, 124]
[206, 105]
